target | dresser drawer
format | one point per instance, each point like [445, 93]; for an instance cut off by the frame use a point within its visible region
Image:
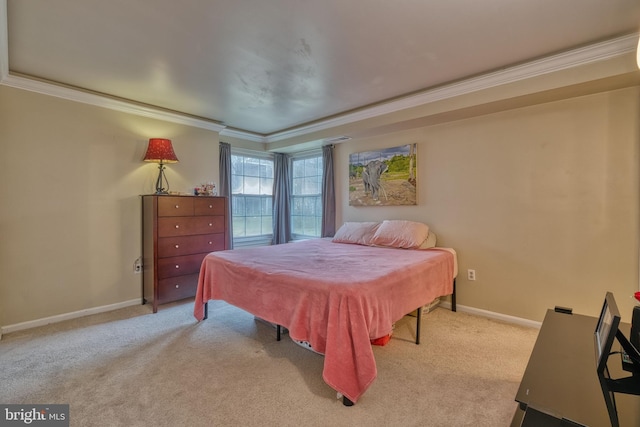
[186, 226]
[209, 206]
[185, 245]
[180, 265]
[175, 288]
[175, 206]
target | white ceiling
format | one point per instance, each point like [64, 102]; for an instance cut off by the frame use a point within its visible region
[266, 66]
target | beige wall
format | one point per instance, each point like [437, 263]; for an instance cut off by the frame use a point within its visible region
[70, 179]
[541, 201]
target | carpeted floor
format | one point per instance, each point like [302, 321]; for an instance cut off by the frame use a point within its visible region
[133, 368]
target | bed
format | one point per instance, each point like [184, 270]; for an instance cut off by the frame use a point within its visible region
[335, 294]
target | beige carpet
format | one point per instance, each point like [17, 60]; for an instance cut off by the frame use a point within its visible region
[133, 368]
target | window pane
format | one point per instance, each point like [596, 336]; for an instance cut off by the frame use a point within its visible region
[310, 185]
[267, 206]
[296, 187]
[251, 185]
[266, 186]
[298, 168]
[236, 184]
[296, 206]
[238, 226]
[254, 226]
[309, 206]
[267, 223]
[311, 166]
[309, 226]
[296, 225]
[237, 165]
[251, 166]
[253, 206]
[266, 169]
[237, 207]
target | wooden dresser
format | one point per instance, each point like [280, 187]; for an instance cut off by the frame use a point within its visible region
[177, 233]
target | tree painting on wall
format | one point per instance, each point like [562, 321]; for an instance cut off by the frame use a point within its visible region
[383, 178]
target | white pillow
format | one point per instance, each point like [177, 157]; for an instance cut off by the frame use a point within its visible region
[358, 233]
[400, 234]
[430, 242]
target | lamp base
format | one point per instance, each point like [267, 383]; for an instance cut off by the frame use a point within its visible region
[161, 178]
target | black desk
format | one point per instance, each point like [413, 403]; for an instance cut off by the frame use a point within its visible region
[561, 381]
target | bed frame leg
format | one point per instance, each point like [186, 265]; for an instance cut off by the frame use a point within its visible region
[453, 296]
[419, 313]
[346, 401]
[206, 310]
[418, 323]
[278, 330]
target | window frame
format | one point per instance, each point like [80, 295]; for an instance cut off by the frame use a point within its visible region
[298, 157]
[255, 240]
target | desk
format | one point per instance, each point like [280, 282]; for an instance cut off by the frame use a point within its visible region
[561, 379]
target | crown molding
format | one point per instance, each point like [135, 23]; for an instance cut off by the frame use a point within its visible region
[124, 106]
[575, 58]
[249, 136]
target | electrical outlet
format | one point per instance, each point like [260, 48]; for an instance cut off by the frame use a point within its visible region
[137, 266]
[471, 274]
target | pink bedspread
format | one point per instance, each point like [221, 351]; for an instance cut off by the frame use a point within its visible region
[336, 296]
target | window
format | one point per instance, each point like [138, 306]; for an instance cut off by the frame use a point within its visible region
[306, 196]
[252, 203]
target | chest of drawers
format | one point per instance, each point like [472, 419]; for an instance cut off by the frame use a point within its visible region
[177, 233]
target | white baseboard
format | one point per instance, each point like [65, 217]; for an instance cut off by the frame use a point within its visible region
[492, 315]
[67, 316]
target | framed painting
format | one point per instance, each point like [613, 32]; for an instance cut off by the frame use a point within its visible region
[386, 177]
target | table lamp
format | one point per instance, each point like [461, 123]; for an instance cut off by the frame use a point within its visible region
[160, 151]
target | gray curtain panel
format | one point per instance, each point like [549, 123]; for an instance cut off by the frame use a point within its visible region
[328, 228]
[281, 202]
[225, 185]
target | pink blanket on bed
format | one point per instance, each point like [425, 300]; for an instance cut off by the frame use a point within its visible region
[336, 296]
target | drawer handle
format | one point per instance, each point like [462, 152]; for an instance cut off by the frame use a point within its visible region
[177, 226]
[210, 225]
[210, 206]
[177, 206]
[211, 243]
[177, 266]
[177, 286]
[177, 246]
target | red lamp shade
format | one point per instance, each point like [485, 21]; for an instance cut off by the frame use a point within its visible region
[160, 151]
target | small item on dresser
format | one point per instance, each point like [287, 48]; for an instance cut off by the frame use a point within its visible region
[208, 189]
